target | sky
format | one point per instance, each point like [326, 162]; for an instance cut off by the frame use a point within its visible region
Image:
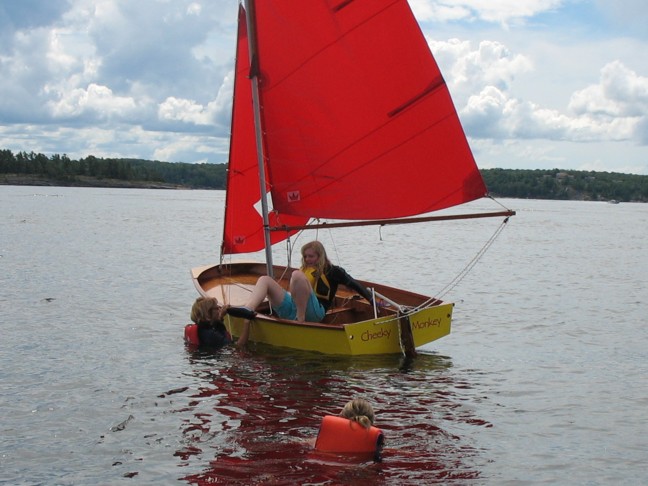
[538, 84]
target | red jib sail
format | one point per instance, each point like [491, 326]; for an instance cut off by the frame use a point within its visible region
[243, 225]
[357, 120]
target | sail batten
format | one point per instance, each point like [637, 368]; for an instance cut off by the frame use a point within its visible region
[434, 85]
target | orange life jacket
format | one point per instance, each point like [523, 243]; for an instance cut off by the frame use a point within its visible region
[191, 334]
[338, 434]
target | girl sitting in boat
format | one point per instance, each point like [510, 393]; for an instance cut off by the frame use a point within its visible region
[311, 290]
[208, 328]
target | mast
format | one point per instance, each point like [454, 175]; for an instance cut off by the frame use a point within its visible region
[254, 79]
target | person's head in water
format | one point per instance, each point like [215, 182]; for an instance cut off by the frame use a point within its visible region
[359, 410]
[208, 314]
[206, 310]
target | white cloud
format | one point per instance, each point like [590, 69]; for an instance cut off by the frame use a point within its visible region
[216, 112]
[499, 11]
[438, 12]
[194, 9]
[466, 70]
[619, 93]
[95, 98]
[480, 80]
[504, 11]
[188, 111]
[617, 105]
[181, 148]
[223, 101]
[492, 114]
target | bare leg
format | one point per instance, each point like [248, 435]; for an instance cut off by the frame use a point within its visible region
[300, 290]
[245, 335]
[266, 287]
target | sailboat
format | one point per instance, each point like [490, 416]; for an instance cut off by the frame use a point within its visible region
[340, 117]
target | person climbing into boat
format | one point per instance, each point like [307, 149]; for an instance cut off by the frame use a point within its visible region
[208, 328]
[311, 290]
[351, 431]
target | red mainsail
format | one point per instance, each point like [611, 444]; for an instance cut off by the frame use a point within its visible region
[356, 117]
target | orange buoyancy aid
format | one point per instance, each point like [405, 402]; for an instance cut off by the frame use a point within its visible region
[319, 283]
[338, 434]
[191, 334]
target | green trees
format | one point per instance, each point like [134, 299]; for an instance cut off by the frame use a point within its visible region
[566, 184]
[65, 171]
[528, 184]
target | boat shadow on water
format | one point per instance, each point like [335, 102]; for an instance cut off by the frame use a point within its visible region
[253, 415]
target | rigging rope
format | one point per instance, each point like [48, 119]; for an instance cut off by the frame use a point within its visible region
[407, 311]
[462, 274]
[453, 283]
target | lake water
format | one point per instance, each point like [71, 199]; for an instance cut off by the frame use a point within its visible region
[542, 380]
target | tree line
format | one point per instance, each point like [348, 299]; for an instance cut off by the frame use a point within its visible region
[566, 184]
[32, 168]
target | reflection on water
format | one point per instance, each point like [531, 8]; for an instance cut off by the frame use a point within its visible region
[253, 415]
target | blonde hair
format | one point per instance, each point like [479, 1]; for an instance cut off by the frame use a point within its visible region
[359, 410]
[322, 260]
[206, 310]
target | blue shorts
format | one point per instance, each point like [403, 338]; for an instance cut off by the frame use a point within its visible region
[288, 310]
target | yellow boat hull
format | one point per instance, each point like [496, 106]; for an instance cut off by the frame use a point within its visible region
[350, 329]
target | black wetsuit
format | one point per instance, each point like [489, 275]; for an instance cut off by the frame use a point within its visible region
[336, 276]
[213, 334]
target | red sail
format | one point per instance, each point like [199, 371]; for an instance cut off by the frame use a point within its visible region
[243, 227]
[358, 122]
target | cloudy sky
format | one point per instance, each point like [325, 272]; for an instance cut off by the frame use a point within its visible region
[538, 84]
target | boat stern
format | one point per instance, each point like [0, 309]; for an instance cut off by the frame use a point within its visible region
[382, 335]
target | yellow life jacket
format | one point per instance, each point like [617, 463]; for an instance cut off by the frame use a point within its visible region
[338, 434]
[320, 285]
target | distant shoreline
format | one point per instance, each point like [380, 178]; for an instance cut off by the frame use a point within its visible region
[33, 180]
[31, 169]
[502, 183]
